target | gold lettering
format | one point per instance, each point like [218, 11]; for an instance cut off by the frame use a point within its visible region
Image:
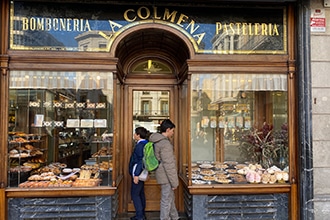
[256, 28]
[275, 30]
[231, 26]
[155, 13]
[62, 27]
[147, 13]
[113, 25]
[192, 29]
[32, 24]
[250, 29]
[55, 25]
[40, 24]
[199, 37]
[270, 29]
[68, 24]
[218, 27]
[238, 28]
[168, 15]
[182, 18]
[48, 24]
[75, 24]
[263, 29]
[126, 15]
[104, 35]
[87, 26]
[25, 24]
[225, 29]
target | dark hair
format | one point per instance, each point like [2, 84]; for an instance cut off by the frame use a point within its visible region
[167, 123]
[142, 132]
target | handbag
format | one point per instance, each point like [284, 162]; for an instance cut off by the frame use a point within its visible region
[143, 175]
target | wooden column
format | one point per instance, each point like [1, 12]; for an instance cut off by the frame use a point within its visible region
[4, 78]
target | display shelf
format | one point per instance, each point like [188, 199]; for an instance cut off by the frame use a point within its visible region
[24, 156]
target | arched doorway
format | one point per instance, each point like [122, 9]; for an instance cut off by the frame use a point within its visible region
[152, 62]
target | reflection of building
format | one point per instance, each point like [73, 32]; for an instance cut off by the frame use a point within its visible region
[232, 42]
[227, 86]
[151, 105]
[92, 40]
[33, 38]
[87, 41]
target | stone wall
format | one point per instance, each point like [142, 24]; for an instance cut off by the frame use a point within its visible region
[320, 69]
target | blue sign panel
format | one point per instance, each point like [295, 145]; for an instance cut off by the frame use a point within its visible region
[90, 27]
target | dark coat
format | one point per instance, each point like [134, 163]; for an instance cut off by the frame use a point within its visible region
[167, 170]
[136, 158]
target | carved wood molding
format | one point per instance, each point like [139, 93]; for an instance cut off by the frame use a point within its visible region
[4, 62]
[50, 60]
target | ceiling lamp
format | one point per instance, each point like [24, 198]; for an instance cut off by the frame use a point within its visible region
[151, 68]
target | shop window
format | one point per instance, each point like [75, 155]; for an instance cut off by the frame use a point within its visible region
[239, 130]
[60, 128]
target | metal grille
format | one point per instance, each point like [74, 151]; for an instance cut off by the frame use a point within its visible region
[236, 207]
[242, 207]
[58, 209]
[72, 208]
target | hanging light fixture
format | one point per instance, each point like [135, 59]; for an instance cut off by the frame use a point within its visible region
[151, 67]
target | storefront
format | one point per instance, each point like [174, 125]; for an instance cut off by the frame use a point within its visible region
[79, 77]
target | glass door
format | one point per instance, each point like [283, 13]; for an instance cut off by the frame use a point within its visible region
[149, 108]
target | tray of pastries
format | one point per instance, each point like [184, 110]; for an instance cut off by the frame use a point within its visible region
[207, 172]
[208, 178]
[223, 180]
[206, 166]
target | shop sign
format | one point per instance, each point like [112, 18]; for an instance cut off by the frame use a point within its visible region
[318, 22]
[85, 27]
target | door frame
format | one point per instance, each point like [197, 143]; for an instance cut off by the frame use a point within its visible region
[151, 186]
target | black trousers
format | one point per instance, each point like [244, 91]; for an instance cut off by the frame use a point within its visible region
[139, 199]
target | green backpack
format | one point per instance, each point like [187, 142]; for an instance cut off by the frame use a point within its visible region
[150, 161]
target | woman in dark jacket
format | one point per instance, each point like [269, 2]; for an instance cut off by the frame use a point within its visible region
[135, 169]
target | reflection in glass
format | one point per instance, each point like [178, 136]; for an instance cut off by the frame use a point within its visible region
[60, 118]
[240, 118]
[150, 108]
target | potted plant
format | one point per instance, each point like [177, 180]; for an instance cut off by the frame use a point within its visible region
[266, 146]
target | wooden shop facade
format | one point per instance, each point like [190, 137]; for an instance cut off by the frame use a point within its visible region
[78, 76]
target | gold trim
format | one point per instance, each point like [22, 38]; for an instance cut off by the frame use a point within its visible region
[113, 36]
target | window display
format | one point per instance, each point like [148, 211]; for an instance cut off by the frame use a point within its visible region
[60, 129]
[239, 128]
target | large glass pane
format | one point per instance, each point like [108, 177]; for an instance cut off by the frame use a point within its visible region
[60, 129]
[150, 108]
[148, 111]
[239, 128]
